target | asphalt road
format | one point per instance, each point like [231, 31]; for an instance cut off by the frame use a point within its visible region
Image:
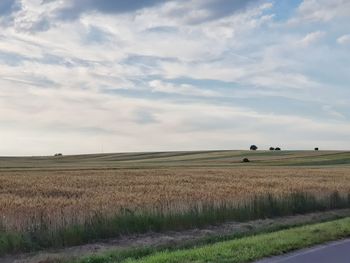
[335, 252]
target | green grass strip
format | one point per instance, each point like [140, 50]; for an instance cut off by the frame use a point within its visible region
[256, 247]
[121, 255]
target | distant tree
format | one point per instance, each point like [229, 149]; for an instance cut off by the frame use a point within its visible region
[272, 148]
[58, 154]
[316, 149]
[246, 160]
[253, 148]
[277, 149]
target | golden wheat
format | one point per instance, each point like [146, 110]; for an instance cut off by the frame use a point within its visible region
[59, 198]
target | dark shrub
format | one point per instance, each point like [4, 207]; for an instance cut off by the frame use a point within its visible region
[253, 148]
[246, 160]
[316, 149]
[272, 148]
[277, 149]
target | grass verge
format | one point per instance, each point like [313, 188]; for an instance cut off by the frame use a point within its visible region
[256, 247]
[121, 255]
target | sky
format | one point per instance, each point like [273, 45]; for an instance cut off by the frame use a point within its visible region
[91, 76]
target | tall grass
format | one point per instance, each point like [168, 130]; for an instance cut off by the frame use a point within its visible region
[126, 222]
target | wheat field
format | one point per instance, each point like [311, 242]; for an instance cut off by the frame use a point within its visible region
[59, 198]
[70, 200]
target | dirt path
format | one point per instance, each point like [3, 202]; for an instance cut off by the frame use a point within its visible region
[171, 237]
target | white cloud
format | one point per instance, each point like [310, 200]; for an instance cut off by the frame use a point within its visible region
[321, 11]
[344, 40]
[312, 38]
[183, 89]
[332, 112]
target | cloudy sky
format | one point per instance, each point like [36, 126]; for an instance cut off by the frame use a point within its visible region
[86, 76]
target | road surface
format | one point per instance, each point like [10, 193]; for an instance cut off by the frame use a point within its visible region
[335, 252]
